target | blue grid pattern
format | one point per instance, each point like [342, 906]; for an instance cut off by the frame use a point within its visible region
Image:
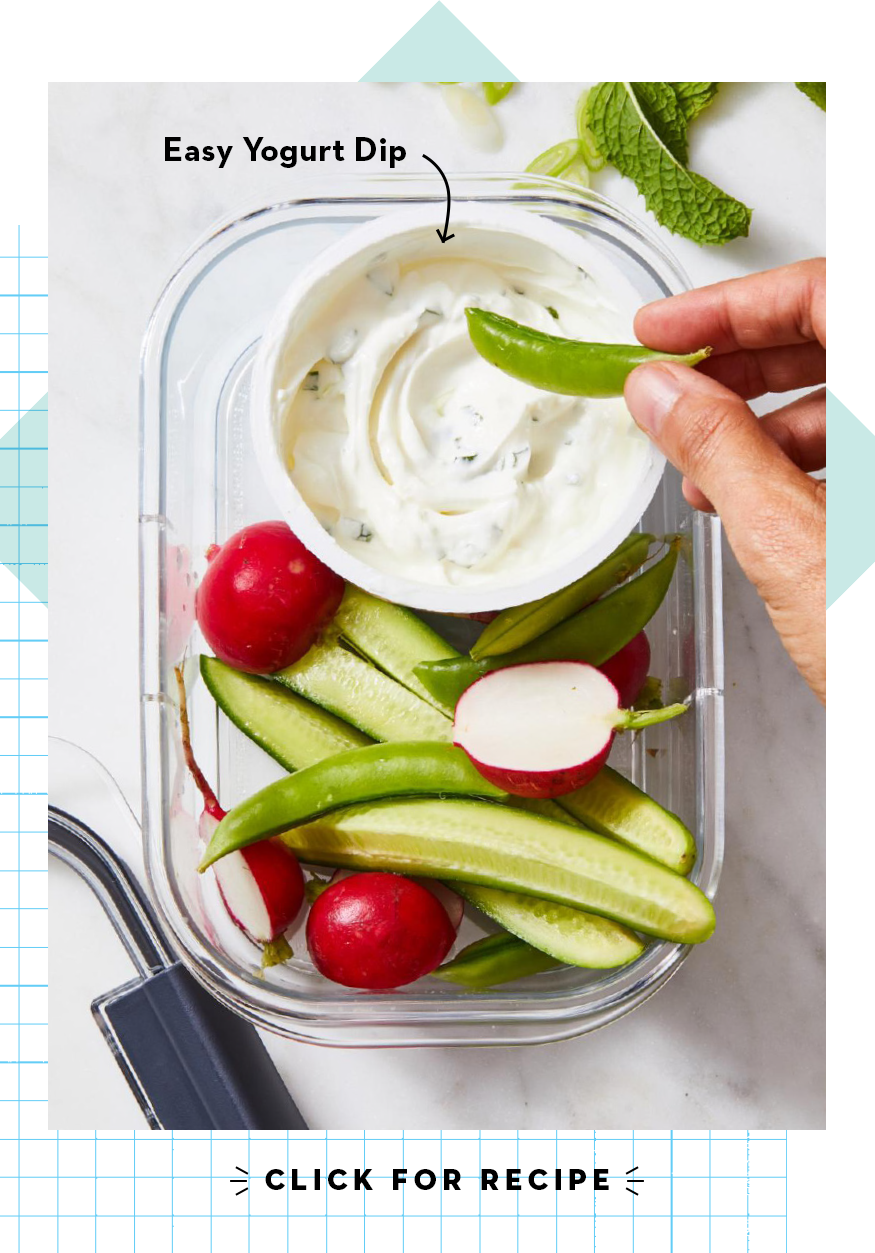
[23, 719]
[721, 1192]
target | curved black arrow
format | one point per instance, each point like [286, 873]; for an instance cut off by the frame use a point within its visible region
[442, 234]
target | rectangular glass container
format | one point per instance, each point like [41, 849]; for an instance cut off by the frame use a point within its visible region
[200, 484]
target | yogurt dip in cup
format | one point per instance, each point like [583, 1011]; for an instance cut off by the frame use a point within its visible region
[409, 464]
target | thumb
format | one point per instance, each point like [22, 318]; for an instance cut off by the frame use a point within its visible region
[769, 507]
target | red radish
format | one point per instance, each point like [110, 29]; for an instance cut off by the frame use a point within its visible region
[264, 598]
[262, 886]
[544, 728]
[628, 669]
[377, 930]
[451, 901]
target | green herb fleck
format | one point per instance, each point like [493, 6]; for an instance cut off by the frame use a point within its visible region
[553, 313]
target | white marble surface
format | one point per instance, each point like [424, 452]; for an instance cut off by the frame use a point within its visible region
[736, 1038]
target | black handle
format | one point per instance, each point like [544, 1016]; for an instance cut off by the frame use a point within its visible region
[192, 1064]
[197, 1064]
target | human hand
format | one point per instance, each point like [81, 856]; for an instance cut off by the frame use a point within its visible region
[768, 333]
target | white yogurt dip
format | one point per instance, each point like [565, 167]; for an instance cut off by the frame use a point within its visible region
[416, 456]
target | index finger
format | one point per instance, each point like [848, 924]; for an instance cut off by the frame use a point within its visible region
[767, 310]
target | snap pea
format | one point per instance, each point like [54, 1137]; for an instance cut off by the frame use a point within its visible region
[494, 959]
[568, 366]
[519, 625]
[361, 774]
[593, 635]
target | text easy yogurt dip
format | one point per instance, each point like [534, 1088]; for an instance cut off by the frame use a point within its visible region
[418, 458]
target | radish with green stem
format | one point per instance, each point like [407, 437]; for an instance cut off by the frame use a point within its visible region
[262, 887]
[545, 728]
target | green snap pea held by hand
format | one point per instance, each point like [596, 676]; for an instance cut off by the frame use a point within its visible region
[363, 774]
[593, 635]
[568, 366]
[521, 624]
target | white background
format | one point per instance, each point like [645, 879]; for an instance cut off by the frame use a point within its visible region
[176, 43]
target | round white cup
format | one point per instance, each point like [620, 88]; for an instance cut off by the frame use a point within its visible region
[328, 271]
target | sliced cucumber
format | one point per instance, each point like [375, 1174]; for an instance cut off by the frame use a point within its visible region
[350, 687]
[547, 809]
[490, 844]
[392, 637]
[613, 806]
[295, 732]
[569, 935]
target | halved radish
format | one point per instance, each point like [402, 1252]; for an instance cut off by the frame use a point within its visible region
[263, 889]
[262, 886]
[544, 728]
[451, 901]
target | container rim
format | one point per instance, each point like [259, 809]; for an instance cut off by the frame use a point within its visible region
[331, 1020]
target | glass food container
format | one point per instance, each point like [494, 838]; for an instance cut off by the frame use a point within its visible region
[200, 483]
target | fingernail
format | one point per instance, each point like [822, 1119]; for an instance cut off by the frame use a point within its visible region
[651, 393]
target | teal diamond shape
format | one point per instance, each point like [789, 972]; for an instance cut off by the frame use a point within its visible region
[850, 540]
[24, 489]
[439, 44]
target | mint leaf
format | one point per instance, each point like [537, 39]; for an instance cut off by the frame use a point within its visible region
[694, 97]
[815, 92]
[640, 128]
[662, 111]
